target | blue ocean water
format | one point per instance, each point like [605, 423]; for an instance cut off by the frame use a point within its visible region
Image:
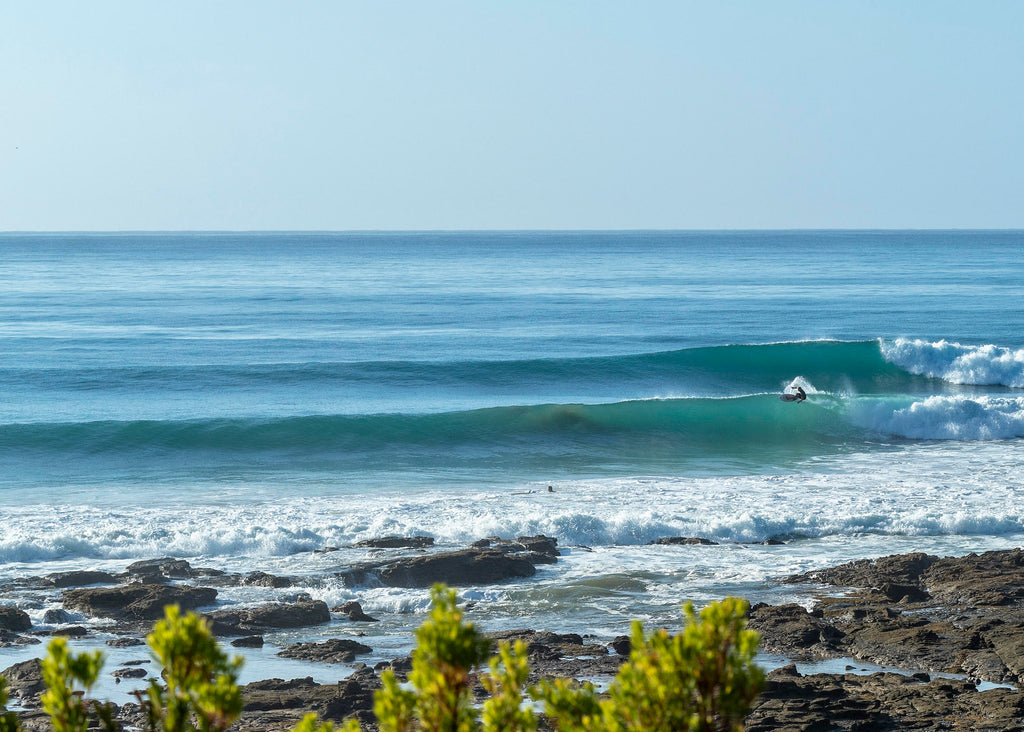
[242, 399]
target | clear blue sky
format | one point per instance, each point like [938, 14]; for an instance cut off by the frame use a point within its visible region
[506, 114]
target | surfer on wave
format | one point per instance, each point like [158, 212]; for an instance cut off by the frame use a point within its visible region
[799, 396]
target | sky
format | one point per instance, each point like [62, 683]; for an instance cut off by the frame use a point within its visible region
[510, 114]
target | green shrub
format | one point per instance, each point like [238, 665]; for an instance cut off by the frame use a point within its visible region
[9, 721]
[703, 679]
[447, 651]
[69, 678]
[200, 691]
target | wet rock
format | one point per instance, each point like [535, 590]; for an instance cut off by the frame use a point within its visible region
[901, 569]
[249, 641]
[920, 612]
[276, 704]
[335, 650]
[81, 579]
[262, 579]
[68, 631]
[25, 681]
[458, 568]
[265, 617]
[125, 642]
[396, 542]
[540, 544]
[8, 639]
[354, 611]
[992, 579]
[137, 602]
[159, 571]
[622, 645]
[13, 619]
[683, 540]
[129, 673]
[57, 617]
[792, 629]
[882, 702]
[903, 593]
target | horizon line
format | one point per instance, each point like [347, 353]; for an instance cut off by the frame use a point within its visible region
[501, 231]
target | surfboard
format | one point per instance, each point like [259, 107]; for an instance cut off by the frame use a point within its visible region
[788, 397]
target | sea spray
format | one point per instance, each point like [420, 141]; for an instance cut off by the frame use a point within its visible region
[956, 363]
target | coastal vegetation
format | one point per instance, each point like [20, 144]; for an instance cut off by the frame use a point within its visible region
[702, 679]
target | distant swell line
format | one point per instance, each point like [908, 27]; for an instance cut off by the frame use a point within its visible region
[722, 424]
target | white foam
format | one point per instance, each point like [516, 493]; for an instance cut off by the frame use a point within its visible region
[920, 489]
[944, 417]
[956, 363]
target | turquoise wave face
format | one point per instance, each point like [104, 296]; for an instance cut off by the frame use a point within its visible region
[277, 390]
[698, 407]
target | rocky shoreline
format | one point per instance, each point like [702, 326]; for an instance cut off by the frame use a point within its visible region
[946, 624]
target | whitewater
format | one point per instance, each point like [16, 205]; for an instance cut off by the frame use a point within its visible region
[245, 401]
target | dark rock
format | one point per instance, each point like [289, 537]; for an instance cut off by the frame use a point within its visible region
[262, 579]
[459, 568]
[355, 613]
[992, 579]
[540, 544]
[901, 569]
[125, 642]
[274, 704]
[276, 615]
[335, 650]
[673, 540]
[790, 628]
[150, 571]
[897, 593]
[25, 681]
[129, 673]
[159, 571]
[396, 542]
[81, 579]
[57, 617]
[69, 631]
[137, 602]
[884, 702]
[14, 619]
[622, 645]
[544, 646]
[249, 641]
[8, 639]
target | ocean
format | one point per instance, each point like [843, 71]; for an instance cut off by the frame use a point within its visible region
[241, 400]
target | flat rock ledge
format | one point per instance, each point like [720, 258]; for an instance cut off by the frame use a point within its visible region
[257, 620]
[137, 602]
[335, 650]
[488, 561]
[962, 615]
[881, 702]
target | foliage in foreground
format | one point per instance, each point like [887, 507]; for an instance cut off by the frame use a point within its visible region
[701, 680]
[9, 721]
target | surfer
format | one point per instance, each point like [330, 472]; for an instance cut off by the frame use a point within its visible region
[799, 396]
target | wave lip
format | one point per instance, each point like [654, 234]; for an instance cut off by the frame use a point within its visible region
[980, 365]
[946, 418]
